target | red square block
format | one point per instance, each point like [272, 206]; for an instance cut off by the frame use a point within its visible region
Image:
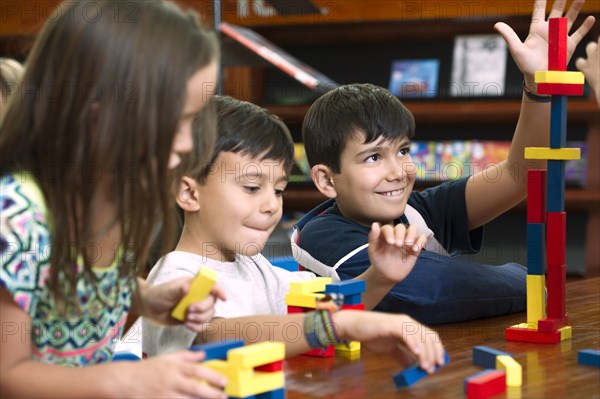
[557, 44]
[320, 352]
[536, 196]
[550, 325]
[560, 89]
[297, 309]
[556, 279]
[271, 367]
[556, 238]
[527, 335]
[486, 384]
[358, 306]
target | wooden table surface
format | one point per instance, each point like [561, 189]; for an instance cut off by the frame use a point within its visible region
[549, 370]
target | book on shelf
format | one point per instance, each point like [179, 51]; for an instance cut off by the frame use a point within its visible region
[287, 63]
[414, 78]
[478, 66]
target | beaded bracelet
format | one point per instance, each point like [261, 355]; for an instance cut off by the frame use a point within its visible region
[320, 330]
[535, 97]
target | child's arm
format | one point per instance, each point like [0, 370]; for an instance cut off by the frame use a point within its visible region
[591, 68]
[380, 332]
[156, 302]
[491, 193]
[393, 252]
[174, 375]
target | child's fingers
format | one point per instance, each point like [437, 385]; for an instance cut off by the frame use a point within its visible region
[389, 235]
[400, 234]
[420, 244]
[218, 292]
[410, 236]
[374, 233]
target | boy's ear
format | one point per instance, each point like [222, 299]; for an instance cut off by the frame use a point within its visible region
[187, 195]
[322, 177]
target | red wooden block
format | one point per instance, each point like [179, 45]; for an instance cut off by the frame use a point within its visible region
[536, 196]
[556, 279]
[527, 335]
[557, 44]
[358, 306]
[560, 89]
[319, 352]
[297, 309]
[271, 367]
[550, 325]
[556, 238]
[486, 385]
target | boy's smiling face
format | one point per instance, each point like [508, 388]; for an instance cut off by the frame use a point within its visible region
[240, 204]
[375, 181]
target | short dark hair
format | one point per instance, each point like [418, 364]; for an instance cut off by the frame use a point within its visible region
[249, 129]
[350, 110]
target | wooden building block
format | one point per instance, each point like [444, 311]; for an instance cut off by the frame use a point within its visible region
[536, 299]
[485, 384]
[245, 382]
[557, 154]
[254, 355]
[201, 286]
[556, 239]
[557, 44]
[298, 309]
[536, 243]
[529, 335]
[555, 187]
[513, 370]
[549, 324]
[347, 287]
[589, 357]
[411, 375]
[270, 367]
[352, 346]
[274, 394]
[309, 286]
[358, 306]
[353, 299]
[560, 89]
[484, 356]
[536, 196]
[558, 122]
[566, 333]
[303, 300]
[571, 77]
[321, 352]
[555, 283]
[217, 350]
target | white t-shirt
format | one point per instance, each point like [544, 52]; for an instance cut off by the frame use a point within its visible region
[253, 287]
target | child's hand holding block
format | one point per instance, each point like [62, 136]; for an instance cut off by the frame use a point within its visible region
[201, 286]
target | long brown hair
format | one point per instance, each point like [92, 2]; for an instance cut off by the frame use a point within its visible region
[103, 91]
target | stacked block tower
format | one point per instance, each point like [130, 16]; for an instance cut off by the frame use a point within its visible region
[547, 320]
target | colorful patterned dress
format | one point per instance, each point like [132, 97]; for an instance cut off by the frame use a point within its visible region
[25, 247]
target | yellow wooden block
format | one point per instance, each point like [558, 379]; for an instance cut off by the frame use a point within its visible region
[348, 355]
[536, 299]
[352, 346]
[303, 300]
[254, 355]
[557, 154]
[514, 371]
[201, 286]
[529, 326]
[565, 333]
[309, 286]
[242, 382]
[568, 77]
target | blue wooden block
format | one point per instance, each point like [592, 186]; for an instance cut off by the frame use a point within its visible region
[555, 187]
[217, 350]
[348, 287]
[274, 394]
[589, 357]
[125, 356]
[485, 357]
[536, 248]
[558, 122]
[409, 376]
[354, 299]
[285, 262]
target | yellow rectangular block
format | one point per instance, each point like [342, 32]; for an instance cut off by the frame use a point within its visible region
[352, 346]
[242, 382]
[303, 300]
[556, 154]
[254, 355]
[570, 77]
[261, 382]
[514, 371]
[529, 326]
[565, 333]
[309, 286]
[536, 299]
[201, 286]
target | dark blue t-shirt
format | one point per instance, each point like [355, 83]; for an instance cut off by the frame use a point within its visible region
[440, 288]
